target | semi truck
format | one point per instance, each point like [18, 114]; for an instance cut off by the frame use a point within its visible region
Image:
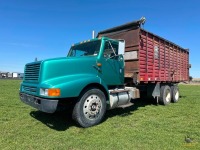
[106, 72]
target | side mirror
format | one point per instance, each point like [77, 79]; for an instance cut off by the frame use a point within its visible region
[121, 47]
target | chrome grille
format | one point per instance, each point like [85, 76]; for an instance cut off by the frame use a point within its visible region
[32, 72]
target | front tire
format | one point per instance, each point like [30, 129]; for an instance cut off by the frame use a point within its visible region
[165, 95]
[90, 108]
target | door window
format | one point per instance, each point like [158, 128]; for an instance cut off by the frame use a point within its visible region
[110, 50]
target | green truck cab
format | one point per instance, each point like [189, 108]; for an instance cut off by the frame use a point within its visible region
[91, 76]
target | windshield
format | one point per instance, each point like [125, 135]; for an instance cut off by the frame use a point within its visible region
[85, 49]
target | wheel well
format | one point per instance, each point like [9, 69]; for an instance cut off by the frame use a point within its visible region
[97, 86]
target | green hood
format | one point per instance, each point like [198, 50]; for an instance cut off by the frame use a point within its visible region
[67, 66]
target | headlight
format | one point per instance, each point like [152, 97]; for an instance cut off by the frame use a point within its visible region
[49, 92]
[44, 92]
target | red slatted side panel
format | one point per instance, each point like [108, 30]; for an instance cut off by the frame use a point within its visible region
[143, 50]
[161, 60]
[167, 62]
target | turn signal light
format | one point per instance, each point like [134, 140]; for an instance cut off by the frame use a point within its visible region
[53, 92]
[99, 64]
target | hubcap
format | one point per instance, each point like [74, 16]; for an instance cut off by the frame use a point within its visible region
[92, 107]
[168, 96]
[177, 95]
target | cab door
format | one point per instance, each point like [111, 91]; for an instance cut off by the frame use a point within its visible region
[112, 64]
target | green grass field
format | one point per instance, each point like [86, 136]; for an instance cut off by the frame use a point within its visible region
[142, 126]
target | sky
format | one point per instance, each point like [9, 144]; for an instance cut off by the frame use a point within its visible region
[47, 28]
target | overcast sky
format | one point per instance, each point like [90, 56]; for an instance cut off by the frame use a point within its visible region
[47, 28]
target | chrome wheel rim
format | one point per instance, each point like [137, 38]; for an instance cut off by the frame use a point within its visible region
[168, 96]
[92, 107]
[177, 95]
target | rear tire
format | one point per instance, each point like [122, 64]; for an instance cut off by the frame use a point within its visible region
[175, 93]
[165, 95]
[90, 108]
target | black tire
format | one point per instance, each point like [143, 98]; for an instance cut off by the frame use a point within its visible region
[90, 108]
[165, 95]
[175, 93]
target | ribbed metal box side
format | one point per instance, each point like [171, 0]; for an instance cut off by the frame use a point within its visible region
[161, 60]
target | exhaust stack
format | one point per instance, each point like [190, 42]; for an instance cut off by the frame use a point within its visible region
[93, 34]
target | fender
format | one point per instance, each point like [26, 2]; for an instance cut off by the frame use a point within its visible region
[72, 85]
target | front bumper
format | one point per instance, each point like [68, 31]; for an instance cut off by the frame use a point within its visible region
[45, 105]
